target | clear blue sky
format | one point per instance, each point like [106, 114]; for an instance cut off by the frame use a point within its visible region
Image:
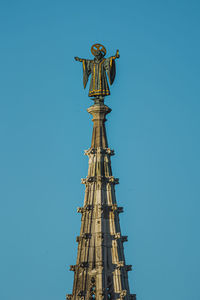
[154, 129]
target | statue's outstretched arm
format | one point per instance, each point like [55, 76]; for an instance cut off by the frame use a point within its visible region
[78, 59]
[116, 55]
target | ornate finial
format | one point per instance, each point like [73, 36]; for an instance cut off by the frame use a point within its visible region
[98, 67]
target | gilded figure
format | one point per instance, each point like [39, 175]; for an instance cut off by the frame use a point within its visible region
[98, 67]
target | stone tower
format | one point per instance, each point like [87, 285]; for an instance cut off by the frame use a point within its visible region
[100, 271]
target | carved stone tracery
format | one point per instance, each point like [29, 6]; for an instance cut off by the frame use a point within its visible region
[100, 260]
[92, 290]
[102, 179]
[123, 294]
[93, 151]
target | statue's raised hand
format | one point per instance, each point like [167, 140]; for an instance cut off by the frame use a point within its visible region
[77, 58]
[117, 54]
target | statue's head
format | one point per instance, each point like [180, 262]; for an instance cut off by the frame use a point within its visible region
[98, 54]
[98, 50]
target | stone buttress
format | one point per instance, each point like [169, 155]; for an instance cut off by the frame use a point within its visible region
[101, 271]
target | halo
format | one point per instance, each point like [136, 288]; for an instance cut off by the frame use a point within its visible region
[98, 47]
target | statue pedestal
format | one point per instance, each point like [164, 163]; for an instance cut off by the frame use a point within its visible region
[99, 111]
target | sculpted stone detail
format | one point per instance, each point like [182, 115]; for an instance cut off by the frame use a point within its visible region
[68, 297]
[92, 289]
[80, 210]
[100, 235]
[84, 209]
[88, 208]
[113, 180]
[78, 239]
[118, 209]
[100, 271]
[117, 236]
[124, 238]
[73, 268]
[123, 294]
[132, 296]
[99, 150]
[84, 264]
[84, 236]
[120, 265]
[90, 151]
[102, 179]
[110, 151]
[87, 179]
[128, 268]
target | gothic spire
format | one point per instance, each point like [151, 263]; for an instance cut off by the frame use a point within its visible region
[101, 271]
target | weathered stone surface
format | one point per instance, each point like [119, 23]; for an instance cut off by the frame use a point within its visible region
[100, 271]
